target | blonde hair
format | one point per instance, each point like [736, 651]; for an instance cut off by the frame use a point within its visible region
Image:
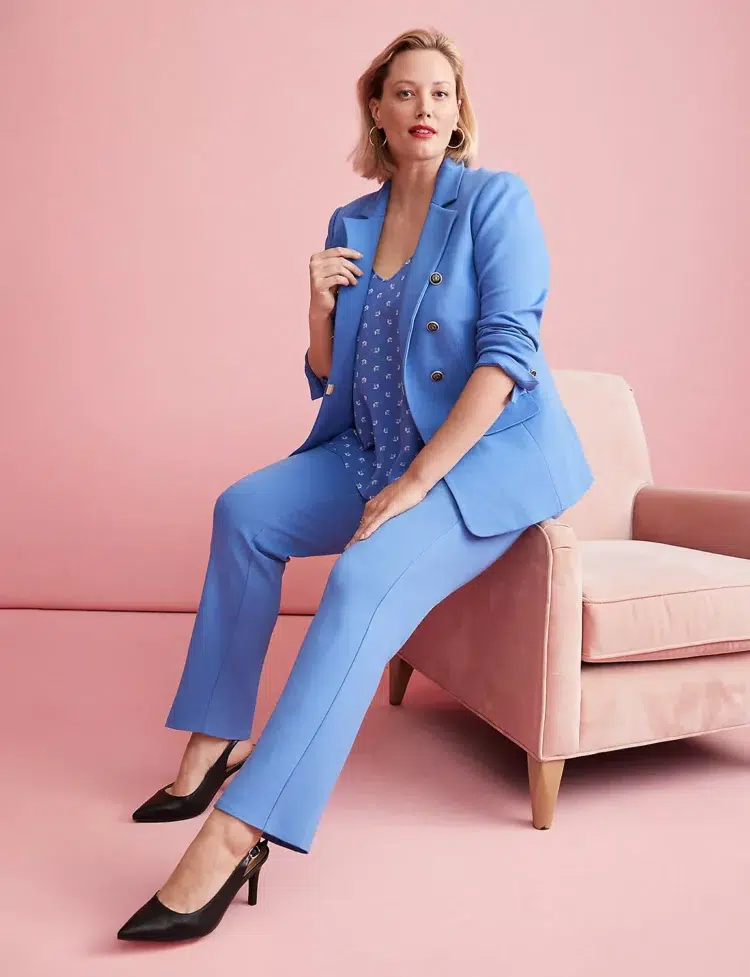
[376, 162]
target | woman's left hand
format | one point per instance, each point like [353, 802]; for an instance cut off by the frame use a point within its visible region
[406, 491]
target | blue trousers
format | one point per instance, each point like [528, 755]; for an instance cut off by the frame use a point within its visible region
[376, 594]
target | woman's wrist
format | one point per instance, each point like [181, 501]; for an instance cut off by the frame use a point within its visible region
[320, 349]
[319, 318]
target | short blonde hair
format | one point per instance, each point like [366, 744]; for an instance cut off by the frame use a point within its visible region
[376, 162]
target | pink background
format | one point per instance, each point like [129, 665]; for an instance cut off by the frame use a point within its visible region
[168, 169]
[153, 254]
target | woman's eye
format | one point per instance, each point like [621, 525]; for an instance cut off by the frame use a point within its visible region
[406, 90]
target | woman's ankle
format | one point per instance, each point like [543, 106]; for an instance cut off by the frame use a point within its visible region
[205, 744]
[202, 740]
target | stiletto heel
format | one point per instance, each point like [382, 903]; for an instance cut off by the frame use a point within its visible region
[155, 922]
[163, 806]
[252, 888]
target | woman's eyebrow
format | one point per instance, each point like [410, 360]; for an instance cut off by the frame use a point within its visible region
[410, 81]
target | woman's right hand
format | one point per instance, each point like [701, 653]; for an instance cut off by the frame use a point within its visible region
[328, 270]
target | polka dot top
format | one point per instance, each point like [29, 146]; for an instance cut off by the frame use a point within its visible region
[384, 440]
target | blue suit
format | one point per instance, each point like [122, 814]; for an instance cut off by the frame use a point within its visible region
[479, 272]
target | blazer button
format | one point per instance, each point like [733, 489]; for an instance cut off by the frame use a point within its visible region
[436, 278]
[532, 372]
[437, 374]
[433, 326]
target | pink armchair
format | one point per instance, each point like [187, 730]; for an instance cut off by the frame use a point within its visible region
[626, 621]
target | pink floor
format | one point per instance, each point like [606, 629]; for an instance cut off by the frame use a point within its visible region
[425, 861]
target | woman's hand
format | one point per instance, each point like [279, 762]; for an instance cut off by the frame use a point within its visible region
[396, 497]
[328, 270]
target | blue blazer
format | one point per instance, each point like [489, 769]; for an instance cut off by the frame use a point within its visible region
[481, 272]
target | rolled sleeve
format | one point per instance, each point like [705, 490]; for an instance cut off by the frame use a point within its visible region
[317, 386]
[512, 266]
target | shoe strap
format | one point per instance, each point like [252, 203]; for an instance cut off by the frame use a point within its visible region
[224, 756]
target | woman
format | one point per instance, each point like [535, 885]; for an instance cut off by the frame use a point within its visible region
[440, 438]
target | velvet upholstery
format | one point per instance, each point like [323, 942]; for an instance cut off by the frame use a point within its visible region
[625, 621]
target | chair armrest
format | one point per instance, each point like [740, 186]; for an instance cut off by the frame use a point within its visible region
[508, 643]
[712, 520]
[561, 726]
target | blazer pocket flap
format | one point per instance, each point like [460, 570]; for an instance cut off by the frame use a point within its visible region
[519, 408]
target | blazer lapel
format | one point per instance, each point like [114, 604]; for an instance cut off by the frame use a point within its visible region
[363, 231]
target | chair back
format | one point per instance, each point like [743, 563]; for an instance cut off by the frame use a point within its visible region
[604, 412]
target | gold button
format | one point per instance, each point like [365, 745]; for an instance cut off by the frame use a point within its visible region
[433, 326]
[437, 375]
[329, 388]
[436, 278]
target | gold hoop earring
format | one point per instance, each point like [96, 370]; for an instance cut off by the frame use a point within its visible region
[369, 136]
[463, 137]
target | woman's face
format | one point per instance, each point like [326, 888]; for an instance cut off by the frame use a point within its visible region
[420, 90]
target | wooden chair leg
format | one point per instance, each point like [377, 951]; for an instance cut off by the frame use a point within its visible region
[399, 673]
[544, 784]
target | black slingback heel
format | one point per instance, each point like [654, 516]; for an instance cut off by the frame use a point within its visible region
[155, 922]
[163, 806]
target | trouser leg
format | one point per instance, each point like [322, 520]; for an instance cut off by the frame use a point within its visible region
[304, 505]
[376, 594]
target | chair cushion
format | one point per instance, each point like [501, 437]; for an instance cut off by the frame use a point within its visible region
[645, 600]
